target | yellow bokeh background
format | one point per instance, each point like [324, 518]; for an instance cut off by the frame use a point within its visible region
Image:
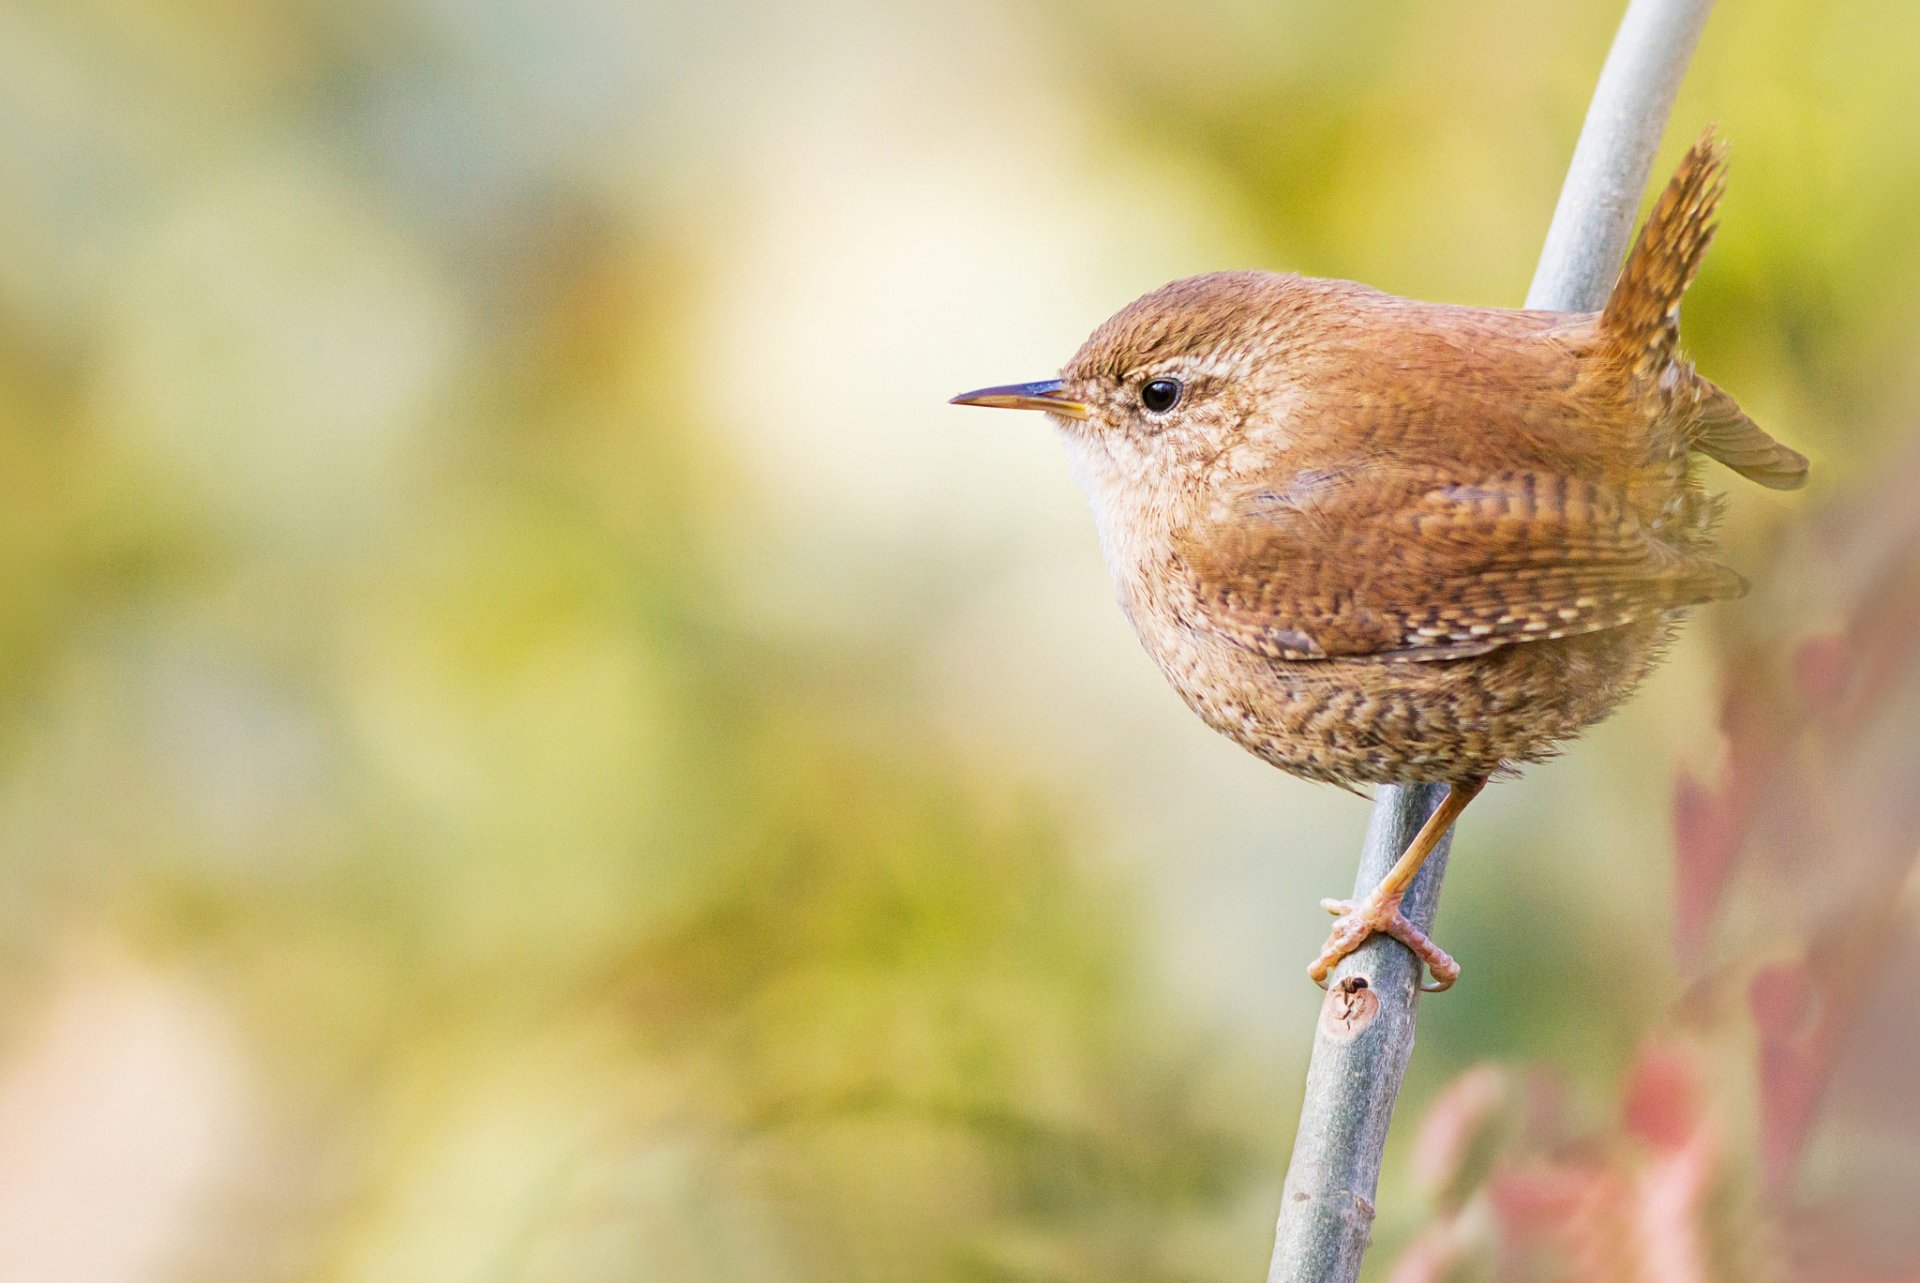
[534, 745]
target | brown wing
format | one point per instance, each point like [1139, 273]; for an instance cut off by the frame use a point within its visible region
[1422, 568]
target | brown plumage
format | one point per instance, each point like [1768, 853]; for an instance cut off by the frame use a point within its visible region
[1378, 540]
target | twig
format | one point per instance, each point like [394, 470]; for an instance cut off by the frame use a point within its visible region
[1366, 1029]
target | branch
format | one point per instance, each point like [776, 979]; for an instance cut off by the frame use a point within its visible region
[1366, 1027]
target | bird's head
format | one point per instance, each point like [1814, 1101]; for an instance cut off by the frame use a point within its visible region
[1160, 392]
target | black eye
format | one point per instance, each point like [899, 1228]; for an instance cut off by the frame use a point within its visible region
[1160, 395]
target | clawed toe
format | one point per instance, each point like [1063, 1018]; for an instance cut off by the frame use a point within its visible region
[1360, 919]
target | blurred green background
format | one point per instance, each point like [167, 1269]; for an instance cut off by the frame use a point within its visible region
[533, 745]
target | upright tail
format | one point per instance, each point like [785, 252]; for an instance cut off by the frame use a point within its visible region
[1642, 315]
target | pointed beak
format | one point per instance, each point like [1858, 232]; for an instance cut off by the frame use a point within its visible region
[1046, 396]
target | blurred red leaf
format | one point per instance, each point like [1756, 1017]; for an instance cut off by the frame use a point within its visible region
[1663, 1103]
[1707, 837]
[1531, 1201]
[1447, 1251]
[1822, 670]
[1457, 1138]
[1793, 1065]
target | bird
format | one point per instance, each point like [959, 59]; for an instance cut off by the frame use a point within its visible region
[1376, 540]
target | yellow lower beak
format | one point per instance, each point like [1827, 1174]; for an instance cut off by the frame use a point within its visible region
[1027, 396]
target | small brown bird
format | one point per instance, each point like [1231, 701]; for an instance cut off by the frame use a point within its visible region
[1376, 540]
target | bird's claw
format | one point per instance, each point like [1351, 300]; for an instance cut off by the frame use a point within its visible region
[1359, 919]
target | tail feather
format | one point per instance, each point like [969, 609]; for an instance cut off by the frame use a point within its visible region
[1720, 430]
[1641, 321]
[1642, 316]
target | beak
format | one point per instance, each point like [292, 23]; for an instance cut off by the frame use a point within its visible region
[1027, 396]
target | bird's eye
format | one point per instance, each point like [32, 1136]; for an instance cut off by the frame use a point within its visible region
[1160, 395]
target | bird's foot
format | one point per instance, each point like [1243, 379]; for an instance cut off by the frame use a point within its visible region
[1359, 919]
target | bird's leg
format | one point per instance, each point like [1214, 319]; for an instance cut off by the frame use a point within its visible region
[1380, 911]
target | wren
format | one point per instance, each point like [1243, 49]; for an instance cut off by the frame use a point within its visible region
[1374, 540]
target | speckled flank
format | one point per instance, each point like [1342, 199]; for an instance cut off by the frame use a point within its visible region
[1356, 721]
